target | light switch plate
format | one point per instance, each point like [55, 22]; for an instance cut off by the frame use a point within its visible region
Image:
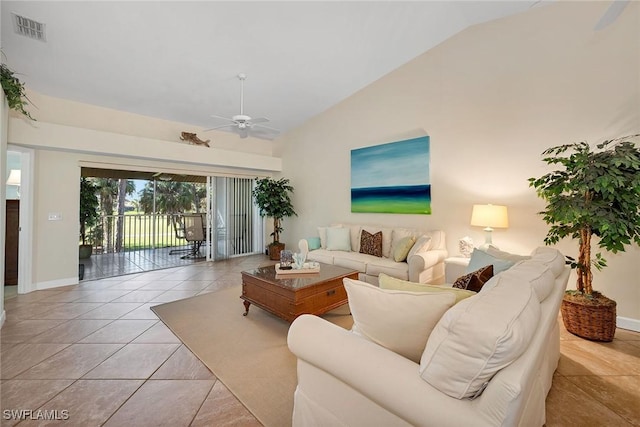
[55, 216]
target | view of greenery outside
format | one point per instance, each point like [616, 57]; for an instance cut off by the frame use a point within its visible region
[127, 220]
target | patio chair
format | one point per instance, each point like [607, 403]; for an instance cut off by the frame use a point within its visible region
[178, 227]
[194, 233]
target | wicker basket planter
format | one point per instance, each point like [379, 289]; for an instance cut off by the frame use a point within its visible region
[274, 251]
[593, 319]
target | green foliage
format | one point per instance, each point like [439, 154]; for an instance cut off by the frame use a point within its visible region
[594, 192]
[14, 91]
[273, 200]
[173, 197]
[89, 205]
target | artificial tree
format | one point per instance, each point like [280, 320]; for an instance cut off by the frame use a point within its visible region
[273, 200]
[596, 192]
[89, 214]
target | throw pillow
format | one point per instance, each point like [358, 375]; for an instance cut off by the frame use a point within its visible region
[402, 248]
[338, 239]
[387, 233]
[478, 337]
[475, 280]
[313, 243]
[322, 232]
[371, 244]
[398, 320]
[387, 282]
[497, 253]
[422, 244]
[481, 258]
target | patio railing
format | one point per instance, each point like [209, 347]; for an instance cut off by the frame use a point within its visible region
[122, 233]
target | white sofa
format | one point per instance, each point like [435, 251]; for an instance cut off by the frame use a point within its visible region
[345, 379]
[425, 266]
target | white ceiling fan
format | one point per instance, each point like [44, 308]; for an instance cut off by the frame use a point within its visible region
[243, 124]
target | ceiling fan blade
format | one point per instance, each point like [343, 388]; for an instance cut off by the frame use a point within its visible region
[267, 128]
[260, 120]
[611, 14]
[222, 118]
[230, 126]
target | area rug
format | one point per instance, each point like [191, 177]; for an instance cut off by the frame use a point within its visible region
[248, 354]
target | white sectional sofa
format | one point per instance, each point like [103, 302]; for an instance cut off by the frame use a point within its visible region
[346, 379]
[424, 264]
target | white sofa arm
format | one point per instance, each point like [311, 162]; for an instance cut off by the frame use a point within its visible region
[384, 377]
[427, 267]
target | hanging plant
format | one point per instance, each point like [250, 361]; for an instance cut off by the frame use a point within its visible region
[14, 91]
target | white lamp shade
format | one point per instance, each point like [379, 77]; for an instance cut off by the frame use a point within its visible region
[14, 177]
[492, 216]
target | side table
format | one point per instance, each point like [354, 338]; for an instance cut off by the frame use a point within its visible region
[455, 267]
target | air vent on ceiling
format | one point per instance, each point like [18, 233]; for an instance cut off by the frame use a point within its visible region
[29, 28]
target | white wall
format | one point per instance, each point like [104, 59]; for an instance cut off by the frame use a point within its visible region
[69, 135]
[3, 201]
[492, 99]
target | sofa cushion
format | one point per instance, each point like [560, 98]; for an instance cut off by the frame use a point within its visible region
[478, 337]
[321, 255]
[338, 239]
[481, 258]
[528, 273]
[376, 266]
[387, 282]
[313, 243]
[401, 249]
[371, 244]
[422, 244]
[351, 260]
[398, 320]
[474, 281]
[552, 258]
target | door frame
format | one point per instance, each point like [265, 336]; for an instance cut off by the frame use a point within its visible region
[25, 241]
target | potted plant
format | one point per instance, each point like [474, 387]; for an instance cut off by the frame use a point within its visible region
[273, 200]
[89, 214]
[14, 91]
[595, 192]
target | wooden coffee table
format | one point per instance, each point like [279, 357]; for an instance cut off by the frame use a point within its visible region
[289, 296]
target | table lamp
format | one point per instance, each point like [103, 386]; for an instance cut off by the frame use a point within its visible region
[490, 217]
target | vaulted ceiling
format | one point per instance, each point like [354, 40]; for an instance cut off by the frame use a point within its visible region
[179, 60]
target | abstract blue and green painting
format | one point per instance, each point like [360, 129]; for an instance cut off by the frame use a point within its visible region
[392, 178]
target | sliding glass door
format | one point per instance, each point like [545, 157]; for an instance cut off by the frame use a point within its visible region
[234, 226]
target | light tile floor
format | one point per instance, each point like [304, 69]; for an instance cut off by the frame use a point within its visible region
[100, 266]
[97, 351]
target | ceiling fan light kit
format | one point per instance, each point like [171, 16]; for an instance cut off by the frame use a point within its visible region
[243, 124]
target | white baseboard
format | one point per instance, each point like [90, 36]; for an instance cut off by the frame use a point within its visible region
[3, 317]
[56, 283]
[628, 323]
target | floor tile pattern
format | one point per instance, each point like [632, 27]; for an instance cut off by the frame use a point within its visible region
[97, 351]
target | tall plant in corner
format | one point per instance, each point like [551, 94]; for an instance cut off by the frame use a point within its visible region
[14, 90]
[89, 214]
[273, 200]
[595, 192]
